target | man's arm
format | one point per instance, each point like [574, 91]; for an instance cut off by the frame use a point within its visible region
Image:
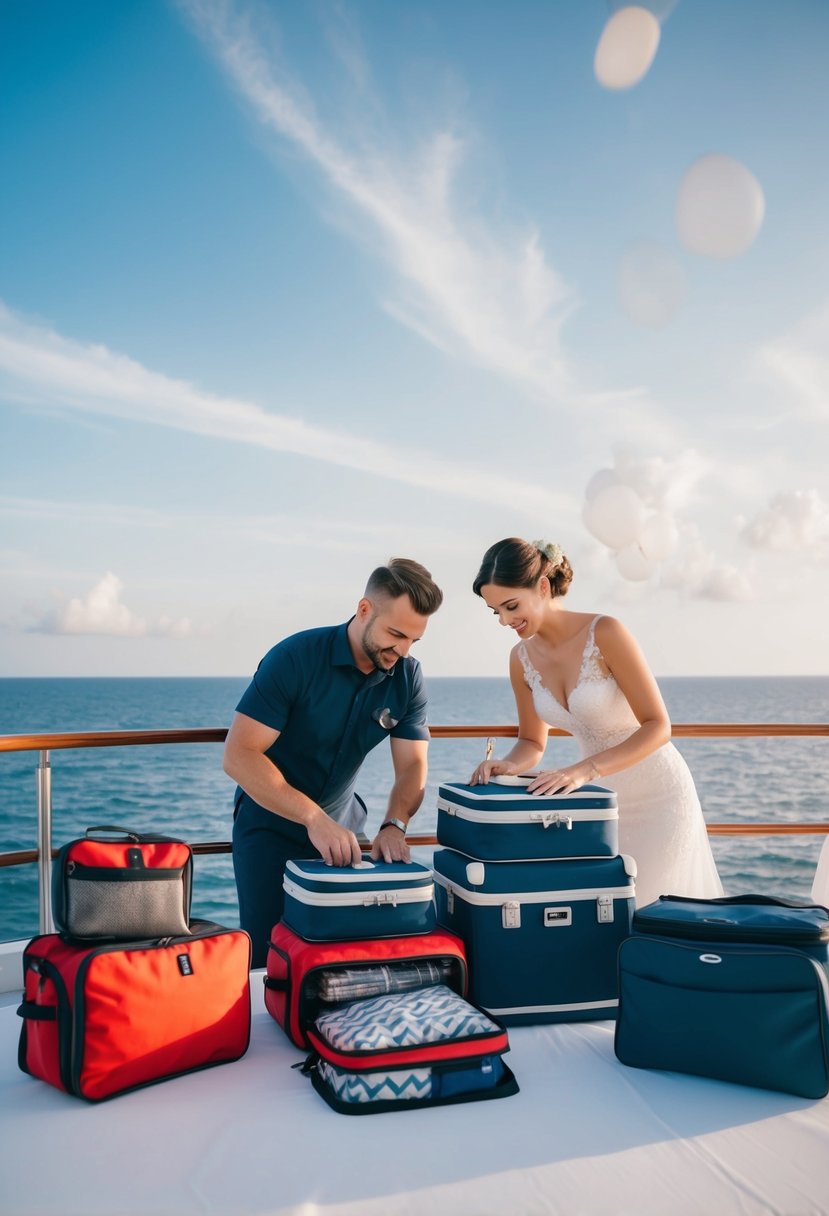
[246, 763]
[410, 768]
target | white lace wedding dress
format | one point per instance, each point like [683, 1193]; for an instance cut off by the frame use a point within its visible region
[660, 819]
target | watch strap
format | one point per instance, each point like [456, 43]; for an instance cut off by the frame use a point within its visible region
[394, 823]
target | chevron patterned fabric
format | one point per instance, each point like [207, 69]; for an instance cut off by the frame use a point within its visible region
[399, 1084]
[406, 1019]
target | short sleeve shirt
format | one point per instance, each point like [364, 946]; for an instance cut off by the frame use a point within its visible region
[330, 715]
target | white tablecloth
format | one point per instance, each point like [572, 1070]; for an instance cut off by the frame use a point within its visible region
[585, 1137]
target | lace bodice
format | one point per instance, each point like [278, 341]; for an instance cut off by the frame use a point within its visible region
[597, 713]
[660, 820]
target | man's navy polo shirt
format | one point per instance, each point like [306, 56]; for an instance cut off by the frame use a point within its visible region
[328, 714]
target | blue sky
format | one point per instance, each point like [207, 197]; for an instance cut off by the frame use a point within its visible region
[287, 288]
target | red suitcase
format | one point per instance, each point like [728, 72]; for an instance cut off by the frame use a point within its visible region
[100, 1020]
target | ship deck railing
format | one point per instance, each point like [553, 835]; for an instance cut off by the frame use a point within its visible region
[45, 744]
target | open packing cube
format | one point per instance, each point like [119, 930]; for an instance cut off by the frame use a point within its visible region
[500, 821]
[102, 1019]
[305, 978]
[541, 937]
[133, 887]
[733, 988]
[404, 1050]
[372, 899]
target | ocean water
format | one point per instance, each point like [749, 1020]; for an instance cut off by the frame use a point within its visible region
[182, 790]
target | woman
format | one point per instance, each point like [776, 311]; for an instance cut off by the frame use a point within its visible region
[586, 674]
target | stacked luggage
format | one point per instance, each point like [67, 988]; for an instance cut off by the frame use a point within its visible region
[130, 990]
[537, 891]
[359, 974]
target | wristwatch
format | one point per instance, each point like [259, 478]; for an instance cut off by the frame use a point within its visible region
[394, 823]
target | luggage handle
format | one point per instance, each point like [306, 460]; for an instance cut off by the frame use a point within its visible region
[728, 900]
[135, 837]
[112, 829]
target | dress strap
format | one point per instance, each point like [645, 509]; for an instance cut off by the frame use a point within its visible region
[590, 647]
[531, 676]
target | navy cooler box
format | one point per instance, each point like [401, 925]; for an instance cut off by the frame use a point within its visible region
[501, 821]
[733, 988]
[541, 937]
[347, 903]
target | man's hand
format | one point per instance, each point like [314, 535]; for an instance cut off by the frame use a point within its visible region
[390, 845]
[334, 843]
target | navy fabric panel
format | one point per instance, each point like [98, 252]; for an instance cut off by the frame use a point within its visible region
[751, 1015]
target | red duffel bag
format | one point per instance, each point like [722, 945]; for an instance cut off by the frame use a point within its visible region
[100, 1020]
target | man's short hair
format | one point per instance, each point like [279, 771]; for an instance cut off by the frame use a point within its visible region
[402, 576]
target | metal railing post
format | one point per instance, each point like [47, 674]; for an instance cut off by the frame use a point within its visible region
[44, 842]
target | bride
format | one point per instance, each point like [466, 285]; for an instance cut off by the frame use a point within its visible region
[586, 674]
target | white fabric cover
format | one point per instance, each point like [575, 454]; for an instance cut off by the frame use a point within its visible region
[585, 1135]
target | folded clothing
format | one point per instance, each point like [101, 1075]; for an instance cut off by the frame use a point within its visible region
[356, 983]
[406, 1019]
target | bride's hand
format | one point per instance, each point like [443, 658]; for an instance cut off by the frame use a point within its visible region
[488, 769]
[560, 780]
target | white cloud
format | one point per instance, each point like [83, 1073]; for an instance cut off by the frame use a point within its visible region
[463, 287]
[794, 522]
[800, 360]
[101, 613]
[95, 380]
[701, 575]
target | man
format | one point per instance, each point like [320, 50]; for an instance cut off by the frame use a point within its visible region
[319, 702]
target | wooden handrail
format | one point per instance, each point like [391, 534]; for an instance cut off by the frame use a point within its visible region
[209, 848]
[138, 738]
[684, 730]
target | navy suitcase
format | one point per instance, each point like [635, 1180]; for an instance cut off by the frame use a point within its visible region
[733, 988]
[346, 903]
[541, 937]
[502, 822]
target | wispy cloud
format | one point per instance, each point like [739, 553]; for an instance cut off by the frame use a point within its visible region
[794, 522]
[464, 287]
[699, 574]
[102, 613]
[800, 361]
[94, 380]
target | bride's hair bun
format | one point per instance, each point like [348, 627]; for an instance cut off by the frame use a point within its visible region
[517, 563]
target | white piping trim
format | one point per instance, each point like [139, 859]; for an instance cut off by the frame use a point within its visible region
[346, 874]
[573, 1007]
[356, 899]
[521, 817]
[531, 897]
[605, 795]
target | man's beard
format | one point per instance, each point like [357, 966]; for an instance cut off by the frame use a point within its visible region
[377, 653]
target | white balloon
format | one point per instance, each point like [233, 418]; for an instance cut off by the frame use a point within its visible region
[626, 47]
[632, 564]
[650, 285]
[599, 481]
[614, 516]
[719, 207]
[659, 536]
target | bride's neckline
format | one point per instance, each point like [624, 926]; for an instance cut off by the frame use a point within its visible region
[568, 696]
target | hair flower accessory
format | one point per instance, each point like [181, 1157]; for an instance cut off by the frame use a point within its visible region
[551, 551]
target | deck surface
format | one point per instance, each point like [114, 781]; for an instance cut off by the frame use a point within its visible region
[585, 1137]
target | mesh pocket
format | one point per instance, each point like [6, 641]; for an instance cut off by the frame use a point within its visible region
[146, 907]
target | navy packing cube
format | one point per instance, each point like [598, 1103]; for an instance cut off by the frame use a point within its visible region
[406, 1050]
[345, 903]
[541, 937]
[733, 988]
[502, 822]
